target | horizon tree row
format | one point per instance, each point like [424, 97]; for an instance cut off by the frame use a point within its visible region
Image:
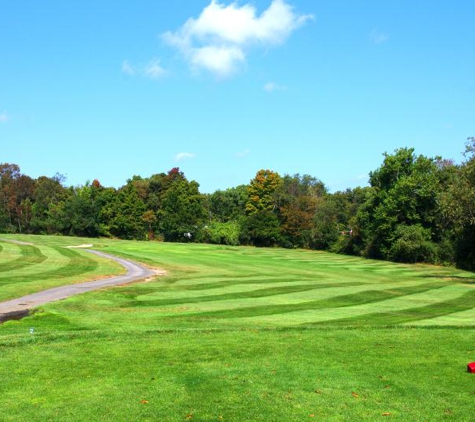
[415, 209]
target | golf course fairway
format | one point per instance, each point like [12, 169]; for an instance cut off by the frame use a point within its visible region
[234, 334]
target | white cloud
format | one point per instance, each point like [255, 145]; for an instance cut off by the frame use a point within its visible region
[219, 38]
[184, 156]
[272, 86]
[378, 37]
[243, 154]
[154, 70]
[127, 68]
[221, 60]
[4, 117]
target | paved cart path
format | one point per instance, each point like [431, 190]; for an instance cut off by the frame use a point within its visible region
[17, 308]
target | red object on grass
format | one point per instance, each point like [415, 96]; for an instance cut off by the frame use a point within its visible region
[471, 367]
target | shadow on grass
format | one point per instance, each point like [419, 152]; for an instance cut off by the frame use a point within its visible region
[12, 316]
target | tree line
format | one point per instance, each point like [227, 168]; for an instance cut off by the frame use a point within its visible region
[415, 209]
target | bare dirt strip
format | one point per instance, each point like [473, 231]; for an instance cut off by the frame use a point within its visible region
[19, 308]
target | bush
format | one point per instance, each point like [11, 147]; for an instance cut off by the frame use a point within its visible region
[262, 229]
[412, 244]
[222, 233]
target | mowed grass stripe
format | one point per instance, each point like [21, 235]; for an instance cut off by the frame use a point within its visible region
[62, 266]
[53, 260]
[257, 281]
[210, 287]
[290, 299]
[260, 293]
[28, 255]
[349, 300]
[72, 263]
[458, 318]
[404, 316]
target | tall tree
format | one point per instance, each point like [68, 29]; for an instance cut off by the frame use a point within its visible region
[262, 225]
[126, 217]
[16, 191]
[404, 192]
[48, 200]
[262, 192]
[228, 205]
[182, 215]
[458, 208]
[80, 214]
[297, 198]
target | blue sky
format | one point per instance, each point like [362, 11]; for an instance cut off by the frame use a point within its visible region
[107, 90]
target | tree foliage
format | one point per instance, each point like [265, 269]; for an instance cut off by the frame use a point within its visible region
[404, 192]
[262, 192]
[415, 209]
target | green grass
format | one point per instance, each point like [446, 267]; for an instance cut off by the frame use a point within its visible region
[237, 334]
[26, 269]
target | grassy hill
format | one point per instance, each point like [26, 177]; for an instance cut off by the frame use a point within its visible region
[237, 334]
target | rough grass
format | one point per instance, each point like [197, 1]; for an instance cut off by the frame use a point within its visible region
[238, 334]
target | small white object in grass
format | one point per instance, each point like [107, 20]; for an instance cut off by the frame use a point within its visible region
[81, 246]
[32, 330]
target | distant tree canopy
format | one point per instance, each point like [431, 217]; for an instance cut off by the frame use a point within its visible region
[415, 209]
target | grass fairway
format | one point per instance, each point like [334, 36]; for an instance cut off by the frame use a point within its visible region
[239, 334]
[27, 267]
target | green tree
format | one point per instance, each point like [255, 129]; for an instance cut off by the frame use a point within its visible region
[48, 199]
[404, 191]
[182, 213]
[128, 210]
[79, 215]
[228, 205]
[325, 229]
[458, 208]
[261, 229]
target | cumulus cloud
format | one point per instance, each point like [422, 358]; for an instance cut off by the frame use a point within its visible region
[153, 69]
[219, 39]
[272, 86]
[378, 37]
[4, 117]
[184, 156]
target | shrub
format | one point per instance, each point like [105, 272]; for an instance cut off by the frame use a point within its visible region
[222, 233]
[412, 244]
